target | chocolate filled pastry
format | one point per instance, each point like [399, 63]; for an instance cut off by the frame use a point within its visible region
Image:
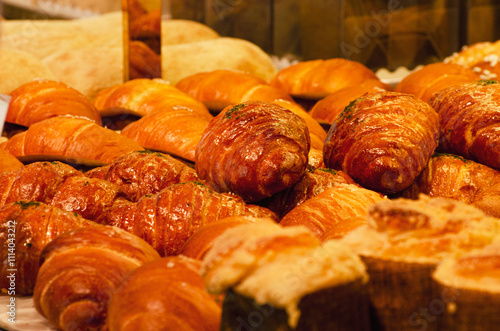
[402, 244]
[469, 121]
[383, 140]
[276, 278]
[253, 149]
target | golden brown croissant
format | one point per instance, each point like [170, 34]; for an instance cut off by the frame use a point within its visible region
[222, 88]
[167, 219]
[144, 62]
[383, 140]
[468, 115]
[144, 172]
[41, 99]
[326, 109]
[37, 181]
[8, 161]
[25, 229]
[451, 176]
[312, 183]
[334, 205]
[316, 79]
[166, 294]
[143, 96]
[433, 78]
[79, 272]
[253, 149]
[175, 131]
[73, 139]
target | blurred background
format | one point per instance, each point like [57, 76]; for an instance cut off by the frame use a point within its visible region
[378, 33]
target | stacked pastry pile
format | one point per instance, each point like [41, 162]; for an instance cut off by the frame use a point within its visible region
[221, 202]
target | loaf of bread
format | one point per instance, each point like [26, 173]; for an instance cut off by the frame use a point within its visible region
[41, 99]
[254, 149]
[25, 229]
[435, 77]
[71, 139]
[144, 172]
[316, 79]
[167, 219]
[383, 140]
[166, 294]
[81, 269]
[468, 116]
[454, 177]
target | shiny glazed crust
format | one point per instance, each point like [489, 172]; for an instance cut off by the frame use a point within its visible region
[383, 140]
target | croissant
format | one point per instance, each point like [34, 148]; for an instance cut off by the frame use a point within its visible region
[316, 79]
[143, 96]
[176, 131]
[312, 183]
[222, 88]
[71, 139]
[37, 181]
[79, 272]
[433, 78]
[167, 219]
[41, 99]
[451, 176]
[254, 149]
[146, 28]
[334, 205]
[8, 161]
[468, 121]
[144, 62]
[25, 229]
[166, 294]
[144, 172]
[383, 140]
[326, 109]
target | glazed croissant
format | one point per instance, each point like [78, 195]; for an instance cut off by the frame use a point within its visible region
[79, 272]
[222, 88]
[25, 229]
[333, 206]
[175, 131]
[316, 79]
[59, 185]
[41, 99]
[143, 96]
[71, 139]
[433, 78]
[166, 294]
[451, 176]
[144, 172]
[254, 149]
[383, 140]
[167, 219]
[468, 115]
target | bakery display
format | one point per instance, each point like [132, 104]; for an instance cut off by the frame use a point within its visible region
[383, 140]
[288, 278]
[468, 121]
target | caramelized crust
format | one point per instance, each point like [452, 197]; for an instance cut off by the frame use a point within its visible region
[25, 228]
[167, 219]
[435, 77]
[317, 79]
[166, 294]
[41, 99]
[144, 96]
[81, 269]
[454, 177]
[254, 149]
[334, 205]
[469, 121]
[77, 140]
[383, 140]
[144, 172]
[176, 131]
